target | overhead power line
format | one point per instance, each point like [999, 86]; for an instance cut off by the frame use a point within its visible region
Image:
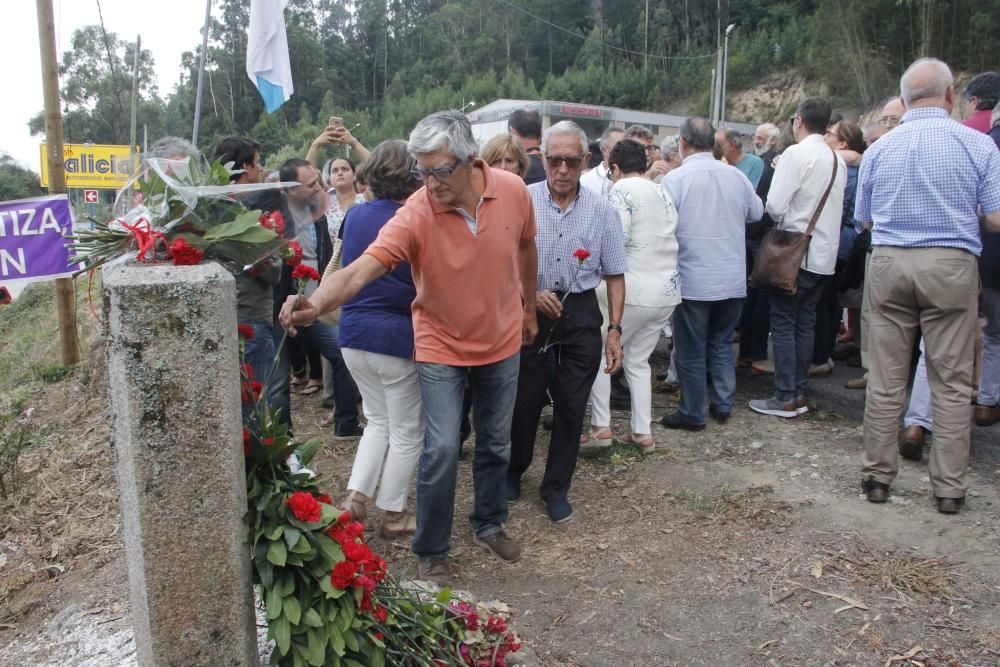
[111, 64]
[604, 44]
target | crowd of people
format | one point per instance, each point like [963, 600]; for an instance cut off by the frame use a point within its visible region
[468, 287]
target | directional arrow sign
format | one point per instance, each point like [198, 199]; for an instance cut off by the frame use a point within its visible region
[90, 196]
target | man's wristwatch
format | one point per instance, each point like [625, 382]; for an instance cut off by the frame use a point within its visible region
[615, 326]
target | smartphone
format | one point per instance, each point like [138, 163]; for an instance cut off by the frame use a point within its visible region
[336, 121]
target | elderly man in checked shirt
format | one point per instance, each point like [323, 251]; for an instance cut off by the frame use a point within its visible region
[568, 218]
[920, 187]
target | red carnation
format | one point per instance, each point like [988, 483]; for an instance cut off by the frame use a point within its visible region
[293, 253]
[268, 441]
[379, 636]
[343, 574]
[273, 221]
[354, 529]
[246, 437]
[496, 624]
[323, 498]
[305, 272]
[245, 331]
[581, 254]
[184, 253]
[344, 518]
[246, 371]
[303, 506]
[251, 390]
[356, 552]
[381, 614]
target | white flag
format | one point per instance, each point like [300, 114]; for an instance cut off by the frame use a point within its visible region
[267, 52]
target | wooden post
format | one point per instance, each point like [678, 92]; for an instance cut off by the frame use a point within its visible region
[69, 340]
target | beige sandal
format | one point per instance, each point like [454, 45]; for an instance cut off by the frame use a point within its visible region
[357, 506]
[643, 441]
[396, 524]
[598, 437]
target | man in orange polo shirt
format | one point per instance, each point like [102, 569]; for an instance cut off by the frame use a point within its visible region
[469, 236]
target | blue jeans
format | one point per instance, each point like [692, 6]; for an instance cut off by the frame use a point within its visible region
[258, 354]
[322, 337]
[494, 388]
[793, 332]
[705, 328]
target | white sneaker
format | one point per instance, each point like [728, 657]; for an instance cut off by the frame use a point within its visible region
[296, 468]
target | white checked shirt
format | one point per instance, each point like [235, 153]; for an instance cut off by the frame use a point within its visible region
[800, 179]
[919, 185]
[588, 223]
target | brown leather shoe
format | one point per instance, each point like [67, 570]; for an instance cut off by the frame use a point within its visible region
[911, 445]
[875, 492]
[987, 415]
[949, 505]
[435, 569]
[857, 383]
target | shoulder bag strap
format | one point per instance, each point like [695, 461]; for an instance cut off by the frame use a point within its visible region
[822, 202]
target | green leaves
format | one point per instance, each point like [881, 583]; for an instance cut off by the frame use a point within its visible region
[282, 634]
[276, 553]
[245, 228]
[292, 609]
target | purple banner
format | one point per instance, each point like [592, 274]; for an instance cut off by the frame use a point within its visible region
[33, 238]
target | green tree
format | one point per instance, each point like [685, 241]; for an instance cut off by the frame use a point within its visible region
[16, 181]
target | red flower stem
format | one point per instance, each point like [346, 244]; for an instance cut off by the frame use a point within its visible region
[277, 354]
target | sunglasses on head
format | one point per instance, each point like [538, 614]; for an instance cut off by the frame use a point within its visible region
[571, 162]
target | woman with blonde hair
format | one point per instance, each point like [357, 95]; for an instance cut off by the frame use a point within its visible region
[505, 151]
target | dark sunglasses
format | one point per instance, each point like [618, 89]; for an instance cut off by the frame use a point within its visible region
[440, 173]
[571, 162]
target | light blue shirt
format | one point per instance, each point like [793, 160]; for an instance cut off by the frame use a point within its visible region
[715, 202]
[589, 223]
[920, 184]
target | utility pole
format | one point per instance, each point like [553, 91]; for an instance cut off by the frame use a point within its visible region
[725, 73]
[133, 162]
[201, 72]
[69, 340]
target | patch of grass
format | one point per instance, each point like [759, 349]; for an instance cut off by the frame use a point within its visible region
[52, 373]
[906, 574]
[15, 437]
[618, 456]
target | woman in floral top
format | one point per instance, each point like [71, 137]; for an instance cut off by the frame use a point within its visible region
[652, 287]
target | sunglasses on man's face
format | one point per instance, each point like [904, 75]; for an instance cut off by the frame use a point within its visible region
[440, 174]
[572, 162]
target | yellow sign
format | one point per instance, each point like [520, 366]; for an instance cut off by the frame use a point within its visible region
[92, 166]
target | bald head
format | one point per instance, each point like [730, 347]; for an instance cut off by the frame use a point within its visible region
[927, 83]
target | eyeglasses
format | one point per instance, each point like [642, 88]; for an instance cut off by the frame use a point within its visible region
[440, 173]
[791, 120]
[889, 121]
[571, 162]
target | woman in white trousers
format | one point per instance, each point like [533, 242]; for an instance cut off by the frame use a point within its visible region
[652, 290]
[376, 338]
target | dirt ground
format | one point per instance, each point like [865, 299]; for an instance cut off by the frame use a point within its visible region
[746, 544]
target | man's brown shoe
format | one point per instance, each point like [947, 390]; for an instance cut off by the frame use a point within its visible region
[875, 492]
[949, 505]
[987, 415]
[500, 545]
[911, 445]
[435, 569]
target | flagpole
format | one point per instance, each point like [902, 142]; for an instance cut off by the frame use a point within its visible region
[201, 71]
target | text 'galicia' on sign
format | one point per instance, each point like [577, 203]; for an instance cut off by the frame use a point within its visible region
[92, 165]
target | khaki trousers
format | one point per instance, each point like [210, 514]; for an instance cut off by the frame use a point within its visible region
[934, 290]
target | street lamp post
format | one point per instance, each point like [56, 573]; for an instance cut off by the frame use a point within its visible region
[725, 72]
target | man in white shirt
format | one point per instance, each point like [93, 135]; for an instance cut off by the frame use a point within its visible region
[596, 180]
[800, 180]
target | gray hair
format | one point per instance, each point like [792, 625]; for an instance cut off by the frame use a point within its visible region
[565, 127]
[670, 146]
[771, 130]
[443, 129]
[639, 131]
[173, 148]
[698, 133]
[925, 78]
[606, 136]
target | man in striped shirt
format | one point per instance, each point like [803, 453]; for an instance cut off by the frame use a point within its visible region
[921, 187]
[580, 241]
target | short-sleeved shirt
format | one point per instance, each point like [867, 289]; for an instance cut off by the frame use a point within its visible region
[468, 310]
[920, 184]
[588, 223]
[752, 167]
